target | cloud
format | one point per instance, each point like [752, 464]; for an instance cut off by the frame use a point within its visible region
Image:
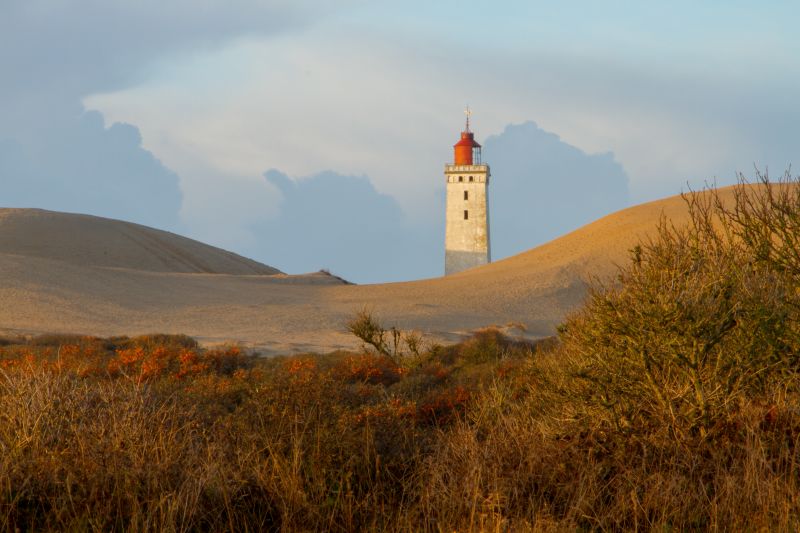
[95, 45]
[373, 100]
[89, 168]
[343, 224]
[303, 104]
[53, 53]
[542, 187]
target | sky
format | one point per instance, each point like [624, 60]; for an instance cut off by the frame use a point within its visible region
[312, 134]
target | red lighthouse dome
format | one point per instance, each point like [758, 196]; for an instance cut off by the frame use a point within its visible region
[465, 148]
[467, 151]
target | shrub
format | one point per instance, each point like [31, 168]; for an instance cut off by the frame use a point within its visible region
[392, 342]
[369, 368]
[698, 319]
[155, 340]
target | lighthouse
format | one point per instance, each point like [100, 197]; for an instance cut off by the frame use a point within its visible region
[466, 242]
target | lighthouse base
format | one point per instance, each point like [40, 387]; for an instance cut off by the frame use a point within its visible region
[457, 260]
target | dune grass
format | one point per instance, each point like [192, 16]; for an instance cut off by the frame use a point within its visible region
[670, 401]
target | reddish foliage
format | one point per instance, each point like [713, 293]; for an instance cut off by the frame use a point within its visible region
[141, 361]
[369, 368]
[392, 411]
[442, 406]
[437, 370]
[301, 370]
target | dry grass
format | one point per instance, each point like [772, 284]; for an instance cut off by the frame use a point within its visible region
[351, 441]
[129, 434]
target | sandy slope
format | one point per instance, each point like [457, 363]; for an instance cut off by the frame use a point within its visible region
[85, 240]
[74, 273]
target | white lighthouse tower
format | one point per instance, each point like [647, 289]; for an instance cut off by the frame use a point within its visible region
[466, 242]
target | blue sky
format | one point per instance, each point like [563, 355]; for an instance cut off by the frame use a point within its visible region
[365, 98]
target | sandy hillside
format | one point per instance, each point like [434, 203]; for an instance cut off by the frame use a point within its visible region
[85, 240]
[75, 273]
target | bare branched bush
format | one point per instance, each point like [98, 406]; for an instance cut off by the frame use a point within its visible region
[702, 316]
[392, 342]
[766, 220]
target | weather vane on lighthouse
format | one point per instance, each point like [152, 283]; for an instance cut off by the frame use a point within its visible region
[468, 112]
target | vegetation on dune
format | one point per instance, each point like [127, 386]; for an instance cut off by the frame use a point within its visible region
[669, 401]
[136, 434]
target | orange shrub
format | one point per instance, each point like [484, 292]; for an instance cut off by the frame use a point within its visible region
[369, 368]
[190, 364]
[442, 406]
[301, 370]
[436, 370]
[394, 411]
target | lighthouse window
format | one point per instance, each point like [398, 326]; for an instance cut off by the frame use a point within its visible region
[470, 178]
[466, 195]
[461, 178]
[466, 214]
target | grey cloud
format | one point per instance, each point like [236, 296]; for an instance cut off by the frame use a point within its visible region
[542, 187]
[53, 53]
[343, 224]
[682, 122]
[100, 45]
[89, 168]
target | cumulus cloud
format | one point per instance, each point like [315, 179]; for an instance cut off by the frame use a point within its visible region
[341, 223]
[542, 187]
[89, 168]
[53, 53]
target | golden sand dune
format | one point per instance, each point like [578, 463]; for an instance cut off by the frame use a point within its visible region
[75, 273]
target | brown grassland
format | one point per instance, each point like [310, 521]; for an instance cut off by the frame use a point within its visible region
[671, 400]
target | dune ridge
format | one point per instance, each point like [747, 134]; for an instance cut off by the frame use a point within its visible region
[64, 273]
[86, 240]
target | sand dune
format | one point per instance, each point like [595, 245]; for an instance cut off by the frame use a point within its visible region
[85, 240]
[75, 273]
